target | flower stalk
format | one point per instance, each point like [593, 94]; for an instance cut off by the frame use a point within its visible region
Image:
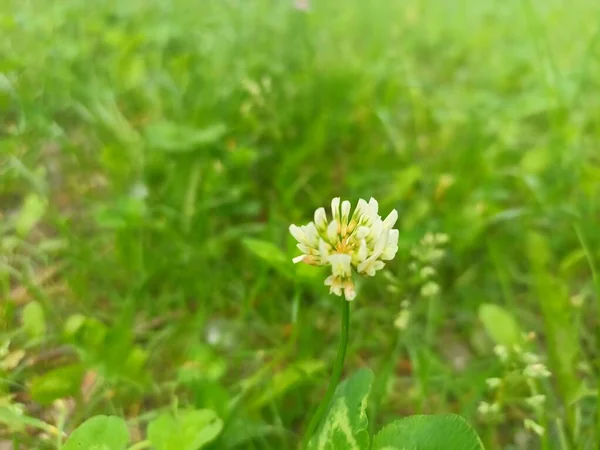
[336, 375]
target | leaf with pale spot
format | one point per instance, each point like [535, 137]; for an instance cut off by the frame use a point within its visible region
[345, 424]
[448, 432]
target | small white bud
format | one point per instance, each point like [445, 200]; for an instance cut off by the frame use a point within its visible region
[493, 383]
[530, 425]
[536, 371]
[430, 289]
[536, 401]
[501, 352]
[402, 319]
[427, 272]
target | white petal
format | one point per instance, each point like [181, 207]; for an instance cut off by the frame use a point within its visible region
[340, 264]
[370, 266]
[363, 265]
[335, 208]
[312, 235]
[298, 233]
[335, 284]
[375, 230]
[336, 289]
[349, 291]
[391, 246]
[374, 206]
[332, 232]
[304, 249]
[324, 249]
[298, 259]
[321, 219]
[359, 210]
[389, 253]
[363, 251]
[378, 265]
[393, 237]
[362, 232]
[346, 206]
[391, 219]
[381, 241]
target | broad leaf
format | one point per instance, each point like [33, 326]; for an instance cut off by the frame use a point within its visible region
[188, 430]
[561, 326]
[345, 424]
[269, 253]
[171, 137]
[449, 432]
[500, 325]
[34, 322]
[287, 379]
[32, 211]
[13, 419]
[58, 383]
[99, 433]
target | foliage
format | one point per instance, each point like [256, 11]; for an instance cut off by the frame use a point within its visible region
[345, 426]
[153, 154]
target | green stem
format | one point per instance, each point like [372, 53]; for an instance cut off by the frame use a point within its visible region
[596, 280]
[336, 374]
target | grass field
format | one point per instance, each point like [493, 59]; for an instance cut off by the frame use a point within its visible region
[153, 154]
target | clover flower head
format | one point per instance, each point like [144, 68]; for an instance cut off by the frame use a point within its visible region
[361, 241]
[536, 371]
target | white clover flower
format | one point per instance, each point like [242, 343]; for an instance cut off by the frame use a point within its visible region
[362, 241]
[537, 370]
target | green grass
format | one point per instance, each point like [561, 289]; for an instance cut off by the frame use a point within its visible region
[149, 140]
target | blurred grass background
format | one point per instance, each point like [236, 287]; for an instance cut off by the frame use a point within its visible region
[144, 142]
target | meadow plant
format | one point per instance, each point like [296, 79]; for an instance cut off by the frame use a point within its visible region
[362, 243]
[517, 391]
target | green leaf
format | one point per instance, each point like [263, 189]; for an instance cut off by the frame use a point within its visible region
[99, 433]
[58, 383]
[243, 430]
[188, 430]
[269, 253]
[449, 432]
[560, 324]
[34, 322]
[287, 379]
[32, 211]
[500, 325]
[171, 137]
[345, 424]
[13, 418]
